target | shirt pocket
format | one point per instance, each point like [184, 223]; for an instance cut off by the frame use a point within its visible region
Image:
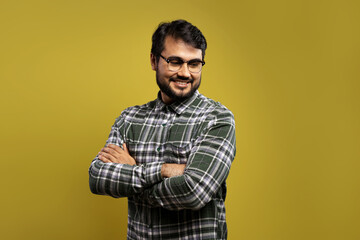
[175, 153]
[141, 152]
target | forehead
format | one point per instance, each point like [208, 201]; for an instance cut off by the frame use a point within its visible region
[177, 47]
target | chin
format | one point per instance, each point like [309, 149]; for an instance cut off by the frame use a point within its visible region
[175, 93]
[182, 95]
[182, 92]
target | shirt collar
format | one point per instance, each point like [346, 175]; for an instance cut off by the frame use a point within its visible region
[178, 106]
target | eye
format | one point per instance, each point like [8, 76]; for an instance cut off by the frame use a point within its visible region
[194, 64]
[176, 62]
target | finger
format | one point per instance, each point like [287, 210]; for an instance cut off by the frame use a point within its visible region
[111, 151]
[125, 148]
[103, 159]
[115, 148]
[108, 156]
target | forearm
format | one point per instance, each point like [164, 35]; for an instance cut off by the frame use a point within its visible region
[206, 171]
[188, 191]
[192, 190]
[122, 180]
[172, 170]
[110, 175]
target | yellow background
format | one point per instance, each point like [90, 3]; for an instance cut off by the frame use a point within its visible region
[289, 71]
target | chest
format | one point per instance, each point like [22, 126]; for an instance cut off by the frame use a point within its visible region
[164, 137]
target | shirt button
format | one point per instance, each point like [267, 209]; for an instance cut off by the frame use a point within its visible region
[164, 124]
[158, 149]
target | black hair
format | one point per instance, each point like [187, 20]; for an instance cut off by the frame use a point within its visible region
[178, 29]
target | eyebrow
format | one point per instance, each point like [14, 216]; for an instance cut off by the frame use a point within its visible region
[179, 58]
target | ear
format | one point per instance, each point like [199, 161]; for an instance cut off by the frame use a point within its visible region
[153, 61]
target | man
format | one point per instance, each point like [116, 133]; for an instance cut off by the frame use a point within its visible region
[171, 156]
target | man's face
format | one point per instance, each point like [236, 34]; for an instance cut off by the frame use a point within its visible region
[181, 84]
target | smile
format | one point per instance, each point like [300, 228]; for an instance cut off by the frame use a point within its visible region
[181, 84]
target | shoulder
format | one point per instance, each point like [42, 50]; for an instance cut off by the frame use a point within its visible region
[213, 110]
[135, 113]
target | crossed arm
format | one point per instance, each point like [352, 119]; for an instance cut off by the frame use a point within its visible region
[115, 154]
[172, 186]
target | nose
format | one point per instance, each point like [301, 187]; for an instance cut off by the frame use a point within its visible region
[184, 71]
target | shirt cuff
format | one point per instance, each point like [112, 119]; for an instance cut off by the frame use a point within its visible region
[153, 172]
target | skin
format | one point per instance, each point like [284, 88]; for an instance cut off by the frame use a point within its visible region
[176, 48]
[115, 154]
[180, 83]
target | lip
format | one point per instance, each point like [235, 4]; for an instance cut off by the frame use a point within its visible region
[181, 84]
[181, 81]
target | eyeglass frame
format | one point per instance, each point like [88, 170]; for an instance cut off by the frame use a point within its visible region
[168, 61]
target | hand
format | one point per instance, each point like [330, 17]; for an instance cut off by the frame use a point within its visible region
[115, 154]
[172, 170]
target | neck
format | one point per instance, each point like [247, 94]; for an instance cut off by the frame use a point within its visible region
[166, 99]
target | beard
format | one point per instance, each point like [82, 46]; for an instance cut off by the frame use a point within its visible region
[165, 88]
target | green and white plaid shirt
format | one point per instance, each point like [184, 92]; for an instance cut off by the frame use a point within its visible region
[198, 132]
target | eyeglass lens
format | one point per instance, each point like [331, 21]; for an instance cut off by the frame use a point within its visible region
[193, 66]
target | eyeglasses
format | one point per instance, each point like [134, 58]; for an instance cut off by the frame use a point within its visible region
[175, 64]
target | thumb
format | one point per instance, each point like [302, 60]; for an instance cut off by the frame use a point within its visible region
[125, 148]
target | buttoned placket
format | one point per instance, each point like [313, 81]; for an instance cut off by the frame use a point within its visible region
[166, 116]
[164, 124]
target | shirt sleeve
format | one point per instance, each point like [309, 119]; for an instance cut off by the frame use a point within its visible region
[207, 169]
[121, 180]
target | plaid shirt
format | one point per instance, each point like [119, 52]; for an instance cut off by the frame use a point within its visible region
[197, 132]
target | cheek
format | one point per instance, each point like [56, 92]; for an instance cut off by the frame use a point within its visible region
[196, 77]
[168, 75]
[164, 72]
